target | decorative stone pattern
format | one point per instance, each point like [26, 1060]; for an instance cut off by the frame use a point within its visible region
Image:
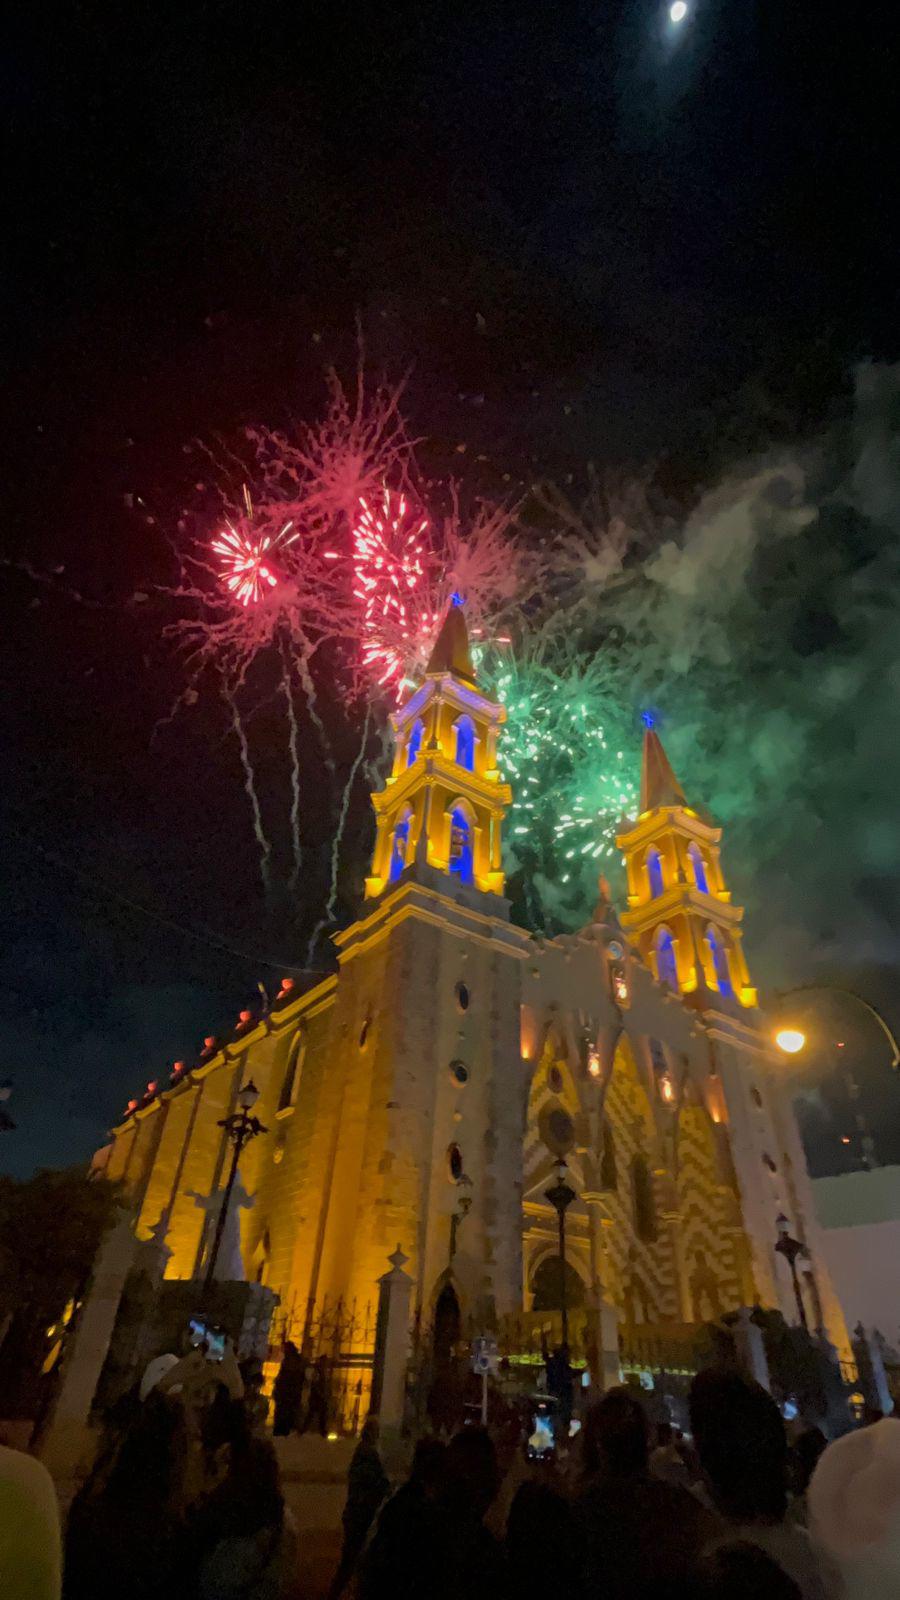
[565, 1046]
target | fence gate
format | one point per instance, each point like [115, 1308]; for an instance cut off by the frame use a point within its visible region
[338, 1336]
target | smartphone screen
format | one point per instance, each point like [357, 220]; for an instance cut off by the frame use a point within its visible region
[542, 1439]
[215, 1344]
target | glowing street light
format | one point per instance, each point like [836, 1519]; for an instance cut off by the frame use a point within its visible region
[678, 11]
[845, 994]
[790, 1040]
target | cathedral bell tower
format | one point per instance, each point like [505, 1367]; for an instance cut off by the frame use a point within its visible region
[680, 915]
[443, 805]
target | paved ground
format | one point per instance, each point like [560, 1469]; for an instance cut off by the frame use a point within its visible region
[314, 1478]
[316, 1566]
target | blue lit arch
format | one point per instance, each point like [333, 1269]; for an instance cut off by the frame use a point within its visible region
[698, 868]
[465, 743]
[414, 742]
[666, 963]
[462, 855]
[720, 963]
[399, 844]
[655, 872]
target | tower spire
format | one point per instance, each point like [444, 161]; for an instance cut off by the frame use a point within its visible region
[440, 813]
[680, 913]
[450, 651]
[659, 785]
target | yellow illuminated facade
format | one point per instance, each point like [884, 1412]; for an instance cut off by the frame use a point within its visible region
[424, 1092]
[680, 913]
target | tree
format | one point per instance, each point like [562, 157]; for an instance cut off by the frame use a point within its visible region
[51, 1226]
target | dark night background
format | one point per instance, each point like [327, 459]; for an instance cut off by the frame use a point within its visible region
[592, 240]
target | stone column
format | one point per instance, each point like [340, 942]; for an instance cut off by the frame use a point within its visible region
[749, 1347]
[605, 1319]
[67, 1433]
[867, 1348]
[496, 846]
[391, 1350]
[670, 1213]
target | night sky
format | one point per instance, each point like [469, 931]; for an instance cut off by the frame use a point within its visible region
[591, 237]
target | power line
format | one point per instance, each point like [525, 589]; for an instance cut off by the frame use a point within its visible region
[205, 937]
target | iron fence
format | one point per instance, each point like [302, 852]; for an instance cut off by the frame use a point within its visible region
[337, 1341]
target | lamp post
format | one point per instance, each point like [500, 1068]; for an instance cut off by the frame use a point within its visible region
[561, 1197]
[240, 1128]
[791, 1040]
[789, 1247]
[463, 1207]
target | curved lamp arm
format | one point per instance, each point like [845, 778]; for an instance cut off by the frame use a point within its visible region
[849, 994]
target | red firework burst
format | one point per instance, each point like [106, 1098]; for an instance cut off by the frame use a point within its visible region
[390, 561]
[247, 560]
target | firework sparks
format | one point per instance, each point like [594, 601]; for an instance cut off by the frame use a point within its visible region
[563, 751]
[248, 558]
[391, 560]
[337, 571]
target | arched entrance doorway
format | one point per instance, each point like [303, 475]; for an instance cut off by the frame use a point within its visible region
[546, 1286]
[447, 1325]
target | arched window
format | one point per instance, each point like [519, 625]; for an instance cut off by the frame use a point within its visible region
[666, 965]
[609, 1173]
[547, 1284]
[643, 1201]
[465, 743]
[291, 1080]
[658, 1056]
[655, 872]
[461, 860]
[698, 868]
[414, 742]
[399, 845]
[720, 962]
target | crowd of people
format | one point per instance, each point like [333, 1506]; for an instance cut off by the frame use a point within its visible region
[185, 1498]
[731, 1512]
[184, 1502]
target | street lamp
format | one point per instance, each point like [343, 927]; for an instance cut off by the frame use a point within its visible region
[792, 1039]
[561, 1197]
[789, 1247]
[463, 1207]
[240, 1128]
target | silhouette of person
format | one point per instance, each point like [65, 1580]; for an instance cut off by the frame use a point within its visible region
[367, 1486]
[287, 1392]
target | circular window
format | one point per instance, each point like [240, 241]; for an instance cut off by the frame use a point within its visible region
[364, 1033]
[555, 1079]
[462, 997]
[455, 1162]
[770, 1163]
[459, 1072]
[756, 1097]
[558, 1131]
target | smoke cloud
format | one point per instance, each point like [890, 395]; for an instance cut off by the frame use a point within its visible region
[765, 632]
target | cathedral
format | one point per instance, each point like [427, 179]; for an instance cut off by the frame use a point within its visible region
[456, 1065]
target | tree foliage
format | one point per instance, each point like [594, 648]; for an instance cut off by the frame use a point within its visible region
[51, 1226]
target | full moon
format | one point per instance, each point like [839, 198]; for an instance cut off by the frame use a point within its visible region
[678, 11]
